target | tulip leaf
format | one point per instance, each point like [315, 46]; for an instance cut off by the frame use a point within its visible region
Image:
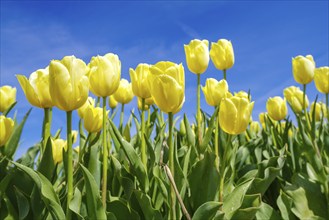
[48, 194]
[206, 211]
[267, 212]
[249, 207]
[136, 163]
[75, 203]
[23, 204]
[203, 180]
[121, 210]
[94, 204]
[189, 133]
[142, 202]
[5, 113]
[10, 213]
[206, 139]
[12, 144]
[284, 203]
[47, 166]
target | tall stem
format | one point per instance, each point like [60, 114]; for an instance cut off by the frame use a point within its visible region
[69, 164]
[304, 107]
[105, 156]
[171, 166]
[222, 168]
[143, 148]
[327, 104]
[121, 117]
[216, 141]
[198, 113]
[224, 74]
[47, 125]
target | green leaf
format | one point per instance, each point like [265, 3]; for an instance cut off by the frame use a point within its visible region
[249, 207]
[12, 144]
[137, 166]
[145, 205]
[22, 203]
[11, 212]
[267, 212]
[75, 203]
[206, 211]
[284, 203]
[47, 166]
[94, 204]
[203, 180]
[189, 133]
[206, 139]
[48, 193]
[121, 210]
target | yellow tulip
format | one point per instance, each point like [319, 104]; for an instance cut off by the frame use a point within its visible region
[112, 102]
[294, 97]
[320, 110]
[277, 108]
[93, 119]
[243, 94]
[57, 148]
[36, 88]
[222, 54]
[7, 97]
[124, 94]
[234, 114]
[139, 80]
[68, 83]
[148, 103]
[82, 109]
[215, 91]
[303, 69]
[262, 119]
[254, 127]
[6, 128]
[321, 79]
[167, 86]
[104, 74]
[197, 55]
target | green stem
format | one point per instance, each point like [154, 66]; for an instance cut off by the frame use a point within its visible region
[105, 156]
[304, 107]
[46, 129]
[121, 117]
[171, 166]
[327, 104]
[143, 146]
[69, 164]
[216, 142]
[222, 168]
[198, 113]
[224, 74]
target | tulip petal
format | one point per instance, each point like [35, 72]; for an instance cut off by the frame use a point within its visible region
[28, 90]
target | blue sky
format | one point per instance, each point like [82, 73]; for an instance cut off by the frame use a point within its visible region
[265, 36]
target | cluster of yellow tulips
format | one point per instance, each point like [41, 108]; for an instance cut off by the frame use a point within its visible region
[66, 83]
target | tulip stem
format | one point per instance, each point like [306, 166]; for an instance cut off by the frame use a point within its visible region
[172, 214]
[46, 128]
[304, 106]
[223, 166]
[224, 74]
[216, 141]
[198, 113]
[327, 104]
[69, 164]
[105, 156]
[121, 118]
[143, 147]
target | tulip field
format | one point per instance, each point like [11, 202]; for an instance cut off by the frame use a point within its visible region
[158, 164]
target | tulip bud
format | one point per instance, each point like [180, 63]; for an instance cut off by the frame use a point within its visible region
[148, 103]
[321, 79]
[167, 85]
[243, 94]
[234, 114]
[319, 110]
[82, 109]
[112, 102]
[36, 88]
[6, 128]
[104, 74]
[139, 80]
[68, 83]
[57, 148]
[93, 119]
[294, 97]
[124, 94]
[277, 108]
[7, 97]
[254, 127]
[182, 128]
[197, 55]
[303, 69]
[222, 54]
[215, 91]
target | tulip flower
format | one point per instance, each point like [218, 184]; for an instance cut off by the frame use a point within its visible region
[112, 102]
[36, 88]
[139, 80]
[295, 96]
[197, 56]
[6, 128]
[7, 97]
[148, 103]
[254, 127]
[222, 54]
[90, 102]
[243, 94]
[57, 148]
[93, 119]
[124, 93]
[277, 108]
[215, 91]
[303, 69]
[234, 114]
[321, 79]
[68, 83]
[318, 109]
[167, 85]
[104, 74]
